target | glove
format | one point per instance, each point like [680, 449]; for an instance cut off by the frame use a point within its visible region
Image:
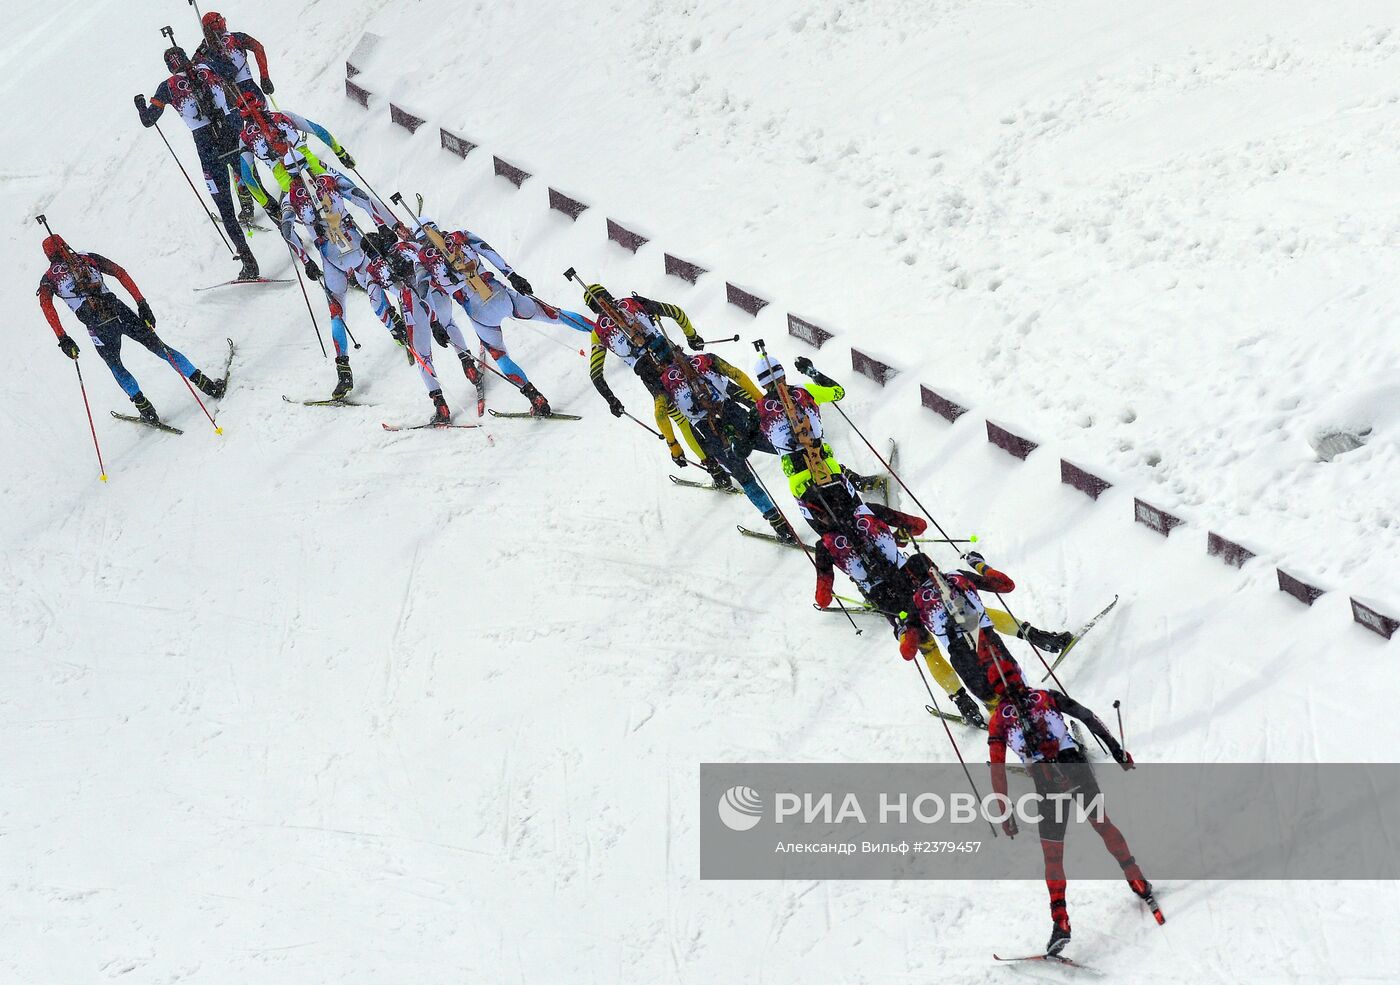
[909, 643]
[678, 457]
[399, 331]
[274, 212]
[1123, 758]
[440, 335]
[143, 311]
[1009, 826]
[974, 559]
[266, 84]
[615, 405]
[803, 365]
[695, 342]
[345, 158]
[312, 271]
[519, 283]
[69, 347]
[823, 596]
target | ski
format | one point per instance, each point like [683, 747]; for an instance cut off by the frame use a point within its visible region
[420, 427]
[326, 402]
[161, 426]
[1079, 636]
[538, 417]
[773, 538]
[481, 383]
[731, 490]
[882, 482]
[948, 716]
[1053, 959]
[855, 610]
[251, 280]
[228, 364]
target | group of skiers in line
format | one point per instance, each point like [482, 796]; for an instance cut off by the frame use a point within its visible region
[700, 402]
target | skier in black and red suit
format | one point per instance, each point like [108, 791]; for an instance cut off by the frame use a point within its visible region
[1040, 742]
[207, 105]
[77, 278]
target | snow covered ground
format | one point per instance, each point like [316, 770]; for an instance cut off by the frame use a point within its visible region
[311, 702]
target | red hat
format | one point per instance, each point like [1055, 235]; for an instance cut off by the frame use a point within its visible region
[55, 247]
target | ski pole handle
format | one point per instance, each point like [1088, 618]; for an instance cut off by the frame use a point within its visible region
[734, 338]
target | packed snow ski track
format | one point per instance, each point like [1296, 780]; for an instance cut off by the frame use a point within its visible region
[317, 701]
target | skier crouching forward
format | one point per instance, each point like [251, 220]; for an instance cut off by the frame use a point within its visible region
[1032, 723]
[78, 279]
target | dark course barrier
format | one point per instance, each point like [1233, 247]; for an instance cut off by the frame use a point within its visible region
[684, 269]
[510, 172]
[867, 365]
[1227, 550]
[357, 92]
[625, 237]
[1007, 441]
[1299, 589]
[460, 146]
[941, 405]
[1083, 480]
[1376, 622]
[741, 298]
[813, 335]
[1158, 519]
[571, 207]
[405, 119]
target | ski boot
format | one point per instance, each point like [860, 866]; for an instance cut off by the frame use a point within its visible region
[249, 270]
[441, 414]
[539, 407]
[864, 483]
[1043, 640]
[144, 408]
[1059, 932]
[210, 388]
[1142, 889]
[245, 206]
[967, 707]
[780, 526]
[718, 475]
[345, 382]
[470, 369]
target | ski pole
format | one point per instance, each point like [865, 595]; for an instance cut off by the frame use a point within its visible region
[734, 338]
[188, 386]
[1117, 708]
[102, 469]
[397, 197]
[956, 751]
[217, 228]
[658, 434]
[315, 327]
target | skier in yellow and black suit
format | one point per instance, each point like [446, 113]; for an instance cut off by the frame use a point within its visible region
[645, 361]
